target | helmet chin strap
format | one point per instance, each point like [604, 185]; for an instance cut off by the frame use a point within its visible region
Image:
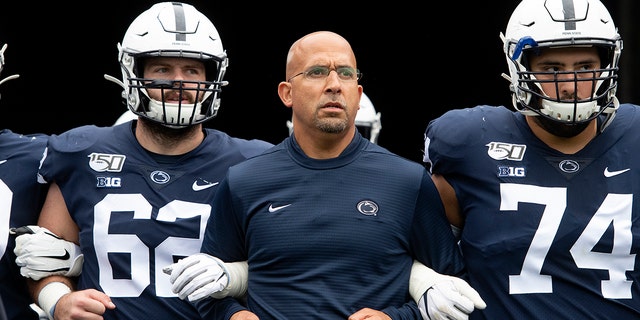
[569, 112]
[174, 115]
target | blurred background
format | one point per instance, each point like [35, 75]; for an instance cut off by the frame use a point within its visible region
[417, 63]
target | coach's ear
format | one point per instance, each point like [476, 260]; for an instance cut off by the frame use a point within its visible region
[284, 92]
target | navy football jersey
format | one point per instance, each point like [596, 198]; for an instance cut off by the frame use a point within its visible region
[21, 198]
[137, 215]
[325, 238]
[547, 235]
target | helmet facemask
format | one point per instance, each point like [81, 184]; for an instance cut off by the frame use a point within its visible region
[600, 84]
[205, 94]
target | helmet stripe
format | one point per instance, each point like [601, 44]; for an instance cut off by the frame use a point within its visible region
[181, 22]
[569, 15]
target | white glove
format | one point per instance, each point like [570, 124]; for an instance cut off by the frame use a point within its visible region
[448, 297]
[41, 253]
[200, 275]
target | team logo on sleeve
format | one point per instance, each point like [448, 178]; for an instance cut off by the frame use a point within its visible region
[506, 151]
[102, 162]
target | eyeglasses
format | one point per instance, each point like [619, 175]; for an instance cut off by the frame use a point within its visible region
[322, 72]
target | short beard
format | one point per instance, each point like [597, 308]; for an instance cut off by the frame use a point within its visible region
[331, 125]
[559, 129]
[167, 134]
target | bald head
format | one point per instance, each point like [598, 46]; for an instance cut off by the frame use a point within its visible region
[315, 48]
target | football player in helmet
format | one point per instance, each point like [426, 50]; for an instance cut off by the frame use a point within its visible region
[22, 197]
[367, 120]
[22, 200]
[544, 197]
[137, 196]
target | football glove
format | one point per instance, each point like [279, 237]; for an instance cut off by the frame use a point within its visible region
[200, 275]
[41, 253]
[447, 297]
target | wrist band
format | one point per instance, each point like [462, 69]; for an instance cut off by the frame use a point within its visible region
[49, 296]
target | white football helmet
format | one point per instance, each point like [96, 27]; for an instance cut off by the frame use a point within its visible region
[172, 29]
[367, 120]
[4, 47]
[537, 24]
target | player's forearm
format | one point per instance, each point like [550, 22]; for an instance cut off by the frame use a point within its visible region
[36, 286]
[58, 286]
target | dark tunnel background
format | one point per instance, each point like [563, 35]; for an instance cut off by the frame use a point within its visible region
[417, 63]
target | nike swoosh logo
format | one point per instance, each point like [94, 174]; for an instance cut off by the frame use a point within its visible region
[198, 187]
[274, 209]
[63, 257]
[610, 174]
[3, 161]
